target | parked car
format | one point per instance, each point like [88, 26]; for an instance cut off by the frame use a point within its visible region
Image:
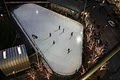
[111, 23]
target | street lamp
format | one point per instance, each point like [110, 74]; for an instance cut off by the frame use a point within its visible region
[1, 15]
[84, 9]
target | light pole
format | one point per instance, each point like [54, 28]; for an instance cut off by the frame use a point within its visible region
[84, 9]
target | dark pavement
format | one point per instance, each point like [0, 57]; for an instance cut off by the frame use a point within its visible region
[112, 36]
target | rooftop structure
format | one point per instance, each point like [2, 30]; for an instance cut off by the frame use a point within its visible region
[13, 60]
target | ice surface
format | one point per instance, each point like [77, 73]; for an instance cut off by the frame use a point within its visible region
[41, 22]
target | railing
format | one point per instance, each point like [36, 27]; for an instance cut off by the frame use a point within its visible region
[101, 62]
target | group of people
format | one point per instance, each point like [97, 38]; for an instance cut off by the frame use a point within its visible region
[59, 28]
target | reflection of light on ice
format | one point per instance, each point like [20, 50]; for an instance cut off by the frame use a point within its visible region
[81, 32]
[78, 39]
[37, 12]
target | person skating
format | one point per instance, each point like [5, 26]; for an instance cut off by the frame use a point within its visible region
[68, 51]
[59, 28]
[53, 42]
[34, 36]
[63, 30]
[71, 34]
[50, 34]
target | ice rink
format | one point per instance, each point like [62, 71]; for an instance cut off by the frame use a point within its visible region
[59, 38]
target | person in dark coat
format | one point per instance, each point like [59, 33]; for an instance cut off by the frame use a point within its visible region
[59, 28]
[50, 34]
[68, 50]
[71, 33]
[63, 30]
[53, 42]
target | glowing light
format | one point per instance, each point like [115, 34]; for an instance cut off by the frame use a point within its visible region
[94, 6]
[13, 72]
[81, 32]
[72, 11]
[4, 54]
[103, 1]
[19, 50]
[1, 15]
[37, 12]
[85, 13]
[78, 39]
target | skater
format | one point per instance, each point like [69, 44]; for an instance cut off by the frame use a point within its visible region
[50, 34]
[68, 50]
[53, 42]
[34, 36]
[71, 34]
[59, 27]
[63, 30]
